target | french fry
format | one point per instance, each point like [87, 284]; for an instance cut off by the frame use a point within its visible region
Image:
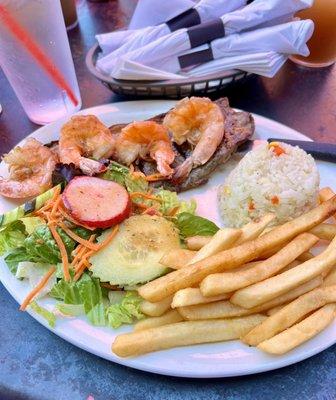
[301, 332]
[177, 258]
[255, 228]
[225, 309]
[274, 310]
[221, 240]
[324, 231]
[217, 310]
[326, 194]
[192, 296]
[290, 314]
[292, 294]
[170, 317]
[270, 288]
[330, 278]
[187, 277]
[197, 242]
[156, 309]
[249, 232]
[305, 256]
[226, 282]
[183, 334]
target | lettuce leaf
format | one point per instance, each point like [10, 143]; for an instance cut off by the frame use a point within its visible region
[34, 273]
[31, 223]
[170, 200]
[124, 312]
[192, 225]
[87, 293]
[12, 236]
[42, 247]
[49, 316]
[15, 257]
[69, 291]
[72, 310]
[92, 299]
[121, 174]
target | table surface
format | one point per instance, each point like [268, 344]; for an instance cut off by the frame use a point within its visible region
[36, 364]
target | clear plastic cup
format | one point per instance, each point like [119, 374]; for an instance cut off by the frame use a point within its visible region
[42, 99]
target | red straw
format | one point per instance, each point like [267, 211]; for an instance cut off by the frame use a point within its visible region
[37, 53]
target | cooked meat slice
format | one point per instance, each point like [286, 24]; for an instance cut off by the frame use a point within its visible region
[239, 126]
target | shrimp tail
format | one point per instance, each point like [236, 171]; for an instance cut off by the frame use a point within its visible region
[91, 167]
[182, 171]
[164, 168]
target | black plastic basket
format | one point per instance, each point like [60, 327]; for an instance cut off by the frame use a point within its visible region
[203, 85]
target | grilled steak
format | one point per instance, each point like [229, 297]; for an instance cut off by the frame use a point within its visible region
[238, 127]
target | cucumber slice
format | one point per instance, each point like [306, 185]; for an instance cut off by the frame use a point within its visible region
[27, 208]
[134, 255]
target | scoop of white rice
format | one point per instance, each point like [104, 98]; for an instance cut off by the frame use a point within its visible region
[263, 182]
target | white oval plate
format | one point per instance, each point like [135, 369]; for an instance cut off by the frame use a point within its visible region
[202, 361]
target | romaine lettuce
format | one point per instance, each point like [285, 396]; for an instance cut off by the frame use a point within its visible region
[34, 273]
[170, 200]
[85, 292]
[49, 316]
[12, 236]
[121, 174]
[41, 246]
[31, 223]
[72, 310]
[124, 312]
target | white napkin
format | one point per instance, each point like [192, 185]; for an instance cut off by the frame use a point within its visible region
[234, 51]
[254, 15]
[288, 38]
[115, 44]
[154, 12]
[264, 63]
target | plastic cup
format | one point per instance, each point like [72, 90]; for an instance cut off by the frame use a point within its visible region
[44, 80]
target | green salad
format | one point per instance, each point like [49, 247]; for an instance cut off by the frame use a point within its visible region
[104, 287]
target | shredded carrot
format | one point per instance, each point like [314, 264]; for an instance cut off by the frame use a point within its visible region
[152, 211]
[275, 200]
[33, 293]
[146, 196]
[109, 237]
[63, 251]
[172, 212]
[82, 265]
[81, 251]
[77, 238]
[55, 207]
[155, 177]
[84, 262]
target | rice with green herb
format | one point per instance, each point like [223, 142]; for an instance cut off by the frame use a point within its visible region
[276, 178]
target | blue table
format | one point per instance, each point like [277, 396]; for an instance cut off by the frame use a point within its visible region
[36, 364]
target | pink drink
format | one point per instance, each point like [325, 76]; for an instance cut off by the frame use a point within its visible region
[42, 99]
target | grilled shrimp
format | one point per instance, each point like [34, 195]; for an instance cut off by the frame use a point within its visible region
[85, 136]
[30, 170]
[200, 122]
[142, 138]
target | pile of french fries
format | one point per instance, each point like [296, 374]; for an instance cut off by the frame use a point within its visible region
[258, 284]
